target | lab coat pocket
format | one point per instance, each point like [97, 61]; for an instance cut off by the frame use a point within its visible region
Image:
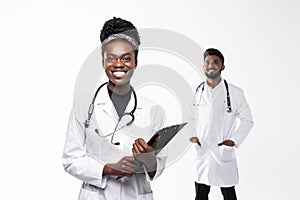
[89, 193]
[148, 196]
[228, 153]
[229, 117]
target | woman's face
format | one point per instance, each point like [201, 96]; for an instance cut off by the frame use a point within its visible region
[119, 62]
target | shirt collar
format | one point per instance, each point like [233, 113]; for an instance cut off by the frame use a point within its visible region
[215, 88]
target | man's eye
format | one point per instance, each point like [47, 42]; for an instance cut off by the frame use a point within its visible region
[217, 63]
[126, 59]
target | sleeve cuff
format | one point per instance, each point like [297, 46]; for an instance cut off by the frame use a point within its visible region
[236, 144]
[99, 180]
[103, 180]
[159, 169]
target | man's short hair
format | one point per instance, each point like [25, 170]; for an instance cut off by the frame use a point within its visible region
[215, 52]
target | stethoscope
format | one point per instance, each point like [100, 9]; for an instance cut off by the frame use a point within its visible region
[130, 114]
[228, 108]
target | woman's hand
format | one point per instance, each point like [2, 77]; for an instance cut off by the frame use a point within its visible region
[123, 167]
[145, 154]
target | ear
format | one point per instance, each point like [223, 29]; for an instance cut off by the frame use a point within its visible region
[223, 67]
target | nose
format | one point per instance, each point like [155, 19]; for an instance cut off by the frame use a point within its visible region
[119, 63]
[211, 64]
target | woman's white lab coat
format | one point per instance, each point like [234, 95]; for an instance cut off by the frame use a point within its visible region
[217, 165]
[86, 153]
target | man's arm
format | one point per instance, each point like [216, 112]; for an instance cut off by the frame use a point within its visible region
[246, 122]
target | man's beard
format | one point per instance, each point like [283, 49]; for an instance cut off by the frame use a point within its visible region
[213, 76]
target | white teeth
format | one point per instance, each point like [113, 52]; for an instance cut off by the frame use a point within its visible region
[119, 74]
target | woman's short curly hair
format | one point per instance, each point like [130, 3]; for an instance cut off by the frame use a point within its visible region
[118, 25]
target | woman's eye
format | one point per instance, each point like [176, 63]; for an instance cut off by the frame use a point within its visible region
[111, 59]
[126, 59]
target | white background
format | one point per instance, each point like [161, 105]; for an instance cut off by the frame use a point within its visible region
[44, 43]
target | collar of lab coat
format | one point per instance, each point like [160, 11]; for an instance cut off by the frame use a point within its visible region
[104, 100]
[217, 86]
[208, 90]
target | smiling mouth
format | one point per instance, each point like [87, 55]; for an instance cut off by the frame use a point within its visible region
[119, 74]
[212, 70]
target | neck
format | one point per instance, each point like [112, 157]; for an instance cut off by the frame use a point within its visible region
[119, 89]
[213, 82]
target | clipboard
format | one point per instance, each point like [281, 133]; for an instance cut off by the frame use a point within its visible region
[166, 134]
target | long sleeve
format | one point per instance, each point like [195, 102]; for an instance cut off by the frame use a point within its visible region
[246, 122]
[75, 159]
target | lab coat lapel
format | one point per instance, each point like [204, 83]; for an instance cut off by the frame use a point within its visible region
[130, 105]
[129, 108]
[216, 115]
[105, 112]
[138, 128]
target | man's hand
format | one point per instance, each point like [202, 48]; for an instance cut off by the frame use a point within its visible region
[145, 154]
[195, 140]
[123, 167]
[229, 143]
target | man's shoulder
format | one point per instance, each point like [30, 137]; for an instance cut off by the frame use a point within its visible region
[235, 88]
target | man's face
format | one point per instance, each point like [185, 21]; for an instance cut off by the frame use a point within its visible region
[213, 66]
[119, 62]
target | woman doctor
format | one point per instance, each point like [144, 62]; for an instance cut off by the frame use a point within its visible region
[100, 149]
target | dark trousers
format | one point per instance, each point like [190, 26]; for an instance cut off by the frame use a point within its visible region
[202, 192]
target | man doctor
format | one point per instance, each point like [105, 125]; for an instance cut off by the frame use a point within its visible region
[105, 151]
[223, 122]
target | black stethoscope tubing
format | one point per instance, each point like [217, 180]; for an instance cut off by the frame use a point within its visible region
[91, 110]
[228, 108]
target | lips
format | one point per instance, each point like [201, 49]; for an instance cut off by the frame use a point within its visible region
[212, 69]
[119, 74]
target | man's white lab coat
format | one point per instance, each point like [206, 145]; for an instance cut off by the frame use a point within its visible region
[217, 165]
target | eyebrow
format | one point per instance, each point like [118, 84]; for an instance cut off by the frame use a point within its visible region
[125, 54]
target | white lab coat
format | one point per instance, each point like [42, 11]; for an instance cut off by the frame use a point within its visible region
[217, 165]
[86, 153]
